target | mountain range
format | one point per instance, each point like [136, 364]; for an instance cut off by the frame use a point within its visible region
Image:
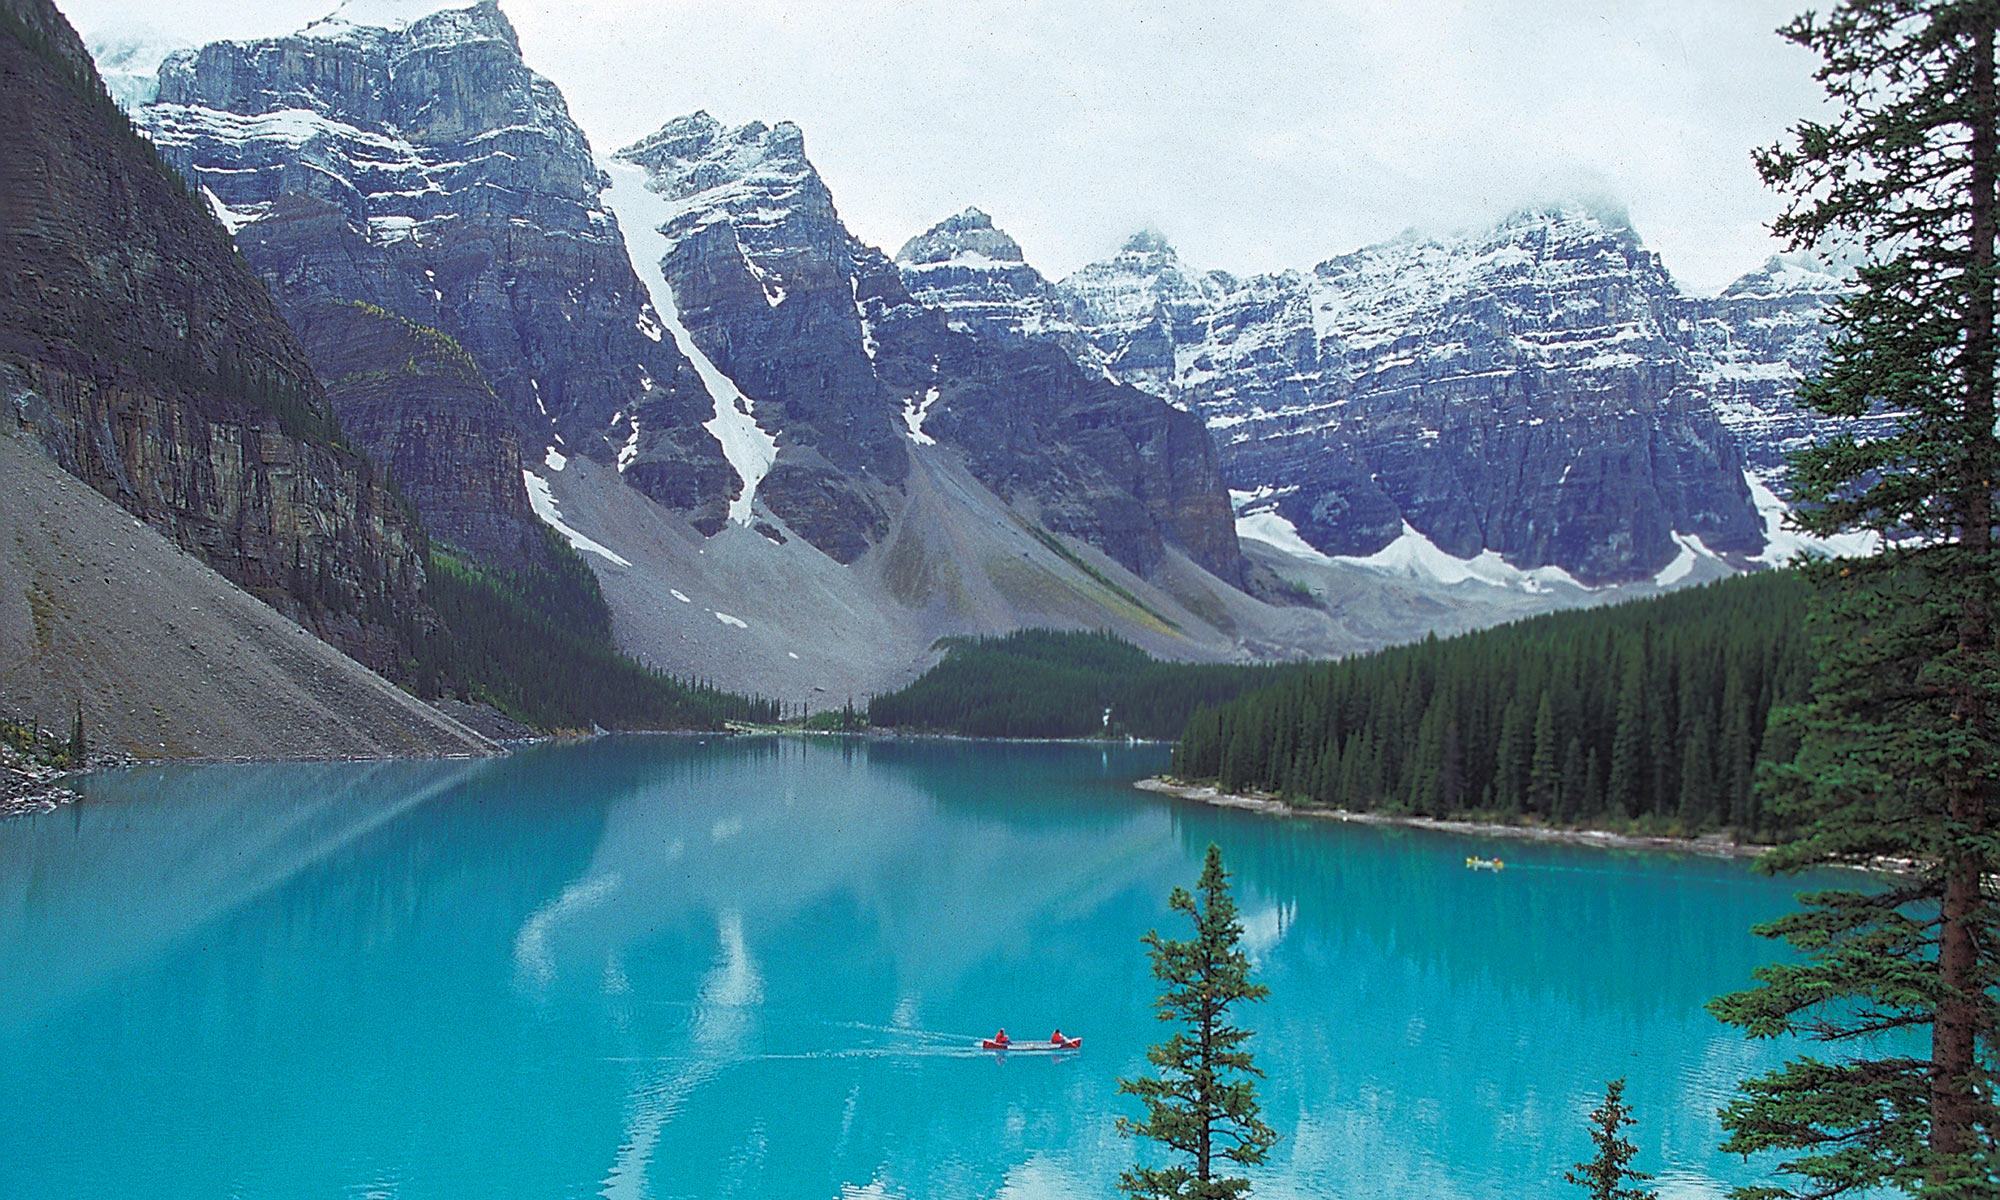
[1540, 391]
[795, 462]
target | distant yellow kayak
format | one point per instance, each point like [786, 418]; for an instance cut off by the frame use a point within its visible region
[1484, 864]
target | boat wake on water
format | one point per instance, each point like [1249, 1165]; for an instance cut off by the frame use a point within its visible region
[1512, 867]
[1042, 1050]
[907, 1043]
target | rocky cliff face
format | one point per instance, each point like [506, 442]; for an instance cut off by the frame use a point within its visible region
[150, 362]
[764, 279]
[847, 369]
[1140, 306]
[411, 398]
[1756, 341]
[426, 170]
[843, 368]
[1534, 390]
[975, 273]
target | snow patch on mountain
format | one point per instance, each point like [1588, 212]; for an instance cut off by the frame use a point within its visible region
[1410, 556]
[1413, 556]
[129, 63]
[1271, 528]
[914, 413]
[543, 501]
[359, 19]
[1783, 543]
[644, 215]
[1692, 551]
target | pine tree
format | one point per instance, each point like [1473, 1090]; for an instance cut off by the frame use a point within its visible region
[1898, 752]
[1605, 1174]
[77, 749]
[1697, 777]
[1576, 802]
[1545, 768]
[1510, 757]
[1629, 779]
[1203, 1103]
[1736, 750]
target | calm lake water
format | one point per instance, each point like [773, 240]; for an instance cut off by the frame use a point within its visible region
[660, 967]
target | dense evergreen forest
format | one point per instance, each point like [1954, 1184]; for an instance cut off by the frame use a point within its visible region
[537, 646]
[1653, 712]
[1045, 683]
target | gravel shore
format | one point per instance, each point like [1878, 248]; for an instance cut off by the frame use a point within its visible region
[1711, 844]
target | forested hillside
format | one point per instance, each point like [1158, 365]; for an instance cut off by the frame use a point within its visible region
[1654, 711]
[1044, 683]
[536, 644]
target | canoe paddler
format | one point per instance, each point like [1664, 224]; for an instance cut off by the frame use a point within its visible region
[1001, 1038]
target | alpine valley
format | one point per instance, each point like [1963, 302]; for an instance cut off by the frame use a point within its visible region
[792, 462]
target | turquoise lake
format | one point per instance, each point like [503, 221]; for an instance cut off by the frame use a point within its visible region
[672, 967]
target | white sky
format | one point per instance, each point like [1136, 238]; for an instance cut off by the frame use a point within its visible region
[1256, 135]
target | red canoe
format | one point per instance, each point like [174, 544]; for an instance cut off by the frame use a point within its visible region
[1075, 1043]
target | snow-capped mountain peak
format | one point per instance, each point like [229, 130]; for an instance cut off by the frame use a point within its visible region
[1803, 271]
[358, 17]
[697, 153]
[972, 271]
[969, 238]
[1526, 390]
[1138, 305]
[404, 154]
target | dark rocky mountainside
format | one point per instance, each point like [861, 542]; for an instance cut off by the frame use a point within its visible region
[163, 658]
[1756, 340]
[427, 170]
[148, 360]
[972, 270]
[411, 398]
[846, 371]
[1534, 390]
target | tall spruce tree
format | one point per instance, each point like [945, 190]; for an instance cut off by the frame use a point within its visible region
[1897, 757]
[1606, 1173]
[1203, 1103]
[1545, 767]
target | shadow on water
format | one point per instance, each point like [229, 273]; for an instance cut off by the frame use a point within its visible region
[100, 887]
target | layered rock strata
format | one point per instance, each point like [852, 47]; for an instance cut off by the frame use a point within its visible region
[1534, 390]
[847, 371]
[411, 398]
[427, 170]
[148, 360]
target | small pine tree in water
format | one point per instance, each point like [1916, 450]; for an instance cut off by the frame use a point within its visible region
[1604, 1176]
[1203, 1102]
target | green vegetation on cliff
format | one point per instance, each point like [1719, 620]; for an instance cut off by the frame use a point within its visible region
[1043, 683]
[1652, 713]
[537, 646]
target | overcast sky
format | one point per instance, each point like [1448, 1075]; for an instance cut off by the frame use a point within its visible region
[1256, 135]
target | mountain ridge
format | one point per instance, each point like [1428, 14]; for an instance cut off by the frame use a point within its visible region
[1332, 392]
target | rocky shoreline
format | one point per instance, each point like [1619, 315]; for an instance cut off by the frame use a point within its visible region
[1715, 845]
[27, 788]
